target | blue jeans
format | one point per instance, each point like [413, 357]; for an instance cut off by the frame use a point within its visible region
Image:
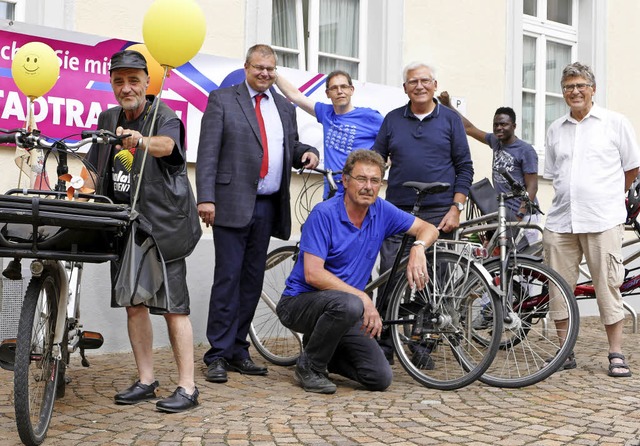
[330, 321]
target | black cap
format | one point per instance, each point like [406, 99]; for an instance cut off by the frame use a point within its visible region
[128, 59]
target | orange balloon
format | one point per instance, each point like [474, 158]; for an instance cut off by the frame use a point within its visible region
[156, 72]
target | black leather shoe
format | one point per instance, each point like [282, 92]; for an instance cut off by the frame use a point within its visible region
[313, 381]
[247, 367]
[136, 393]
[179, 401]
[217, 371]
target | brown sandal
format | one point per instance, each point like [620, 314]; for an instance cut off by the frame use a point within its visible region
[621, 365]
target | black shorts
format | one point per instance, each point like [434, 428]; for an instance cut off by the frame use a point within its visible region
[178, 302]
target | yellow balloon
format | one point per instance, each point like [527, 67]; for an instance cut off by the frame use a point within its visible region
[156, 72]
[35, 69]
[173, 31]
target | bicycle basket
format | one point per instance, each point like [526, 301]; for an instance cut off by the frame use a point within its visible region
[36, 227]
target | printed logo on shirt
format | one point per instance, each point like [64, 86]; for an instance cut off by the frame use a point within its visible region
[503, 161]
[341, 137]
[121, 174]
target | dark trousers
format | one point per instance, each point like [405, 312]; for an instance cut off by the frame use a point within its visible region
[330, 321]
[241, 255]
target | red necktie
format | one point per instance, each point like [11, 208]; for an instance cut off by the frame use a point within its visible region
[263, 135]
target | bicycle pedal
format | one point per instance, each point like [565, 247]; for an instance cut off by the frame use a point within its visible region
[90, 340]
[7, 354]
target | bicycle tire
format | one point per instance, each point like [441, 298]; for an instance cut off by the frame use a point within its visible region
[432, 336]
[529, 350]
[36, 370]
[275, 342]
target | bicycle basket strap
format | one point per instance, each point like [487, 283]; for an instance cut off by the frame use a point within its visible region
[484, 196]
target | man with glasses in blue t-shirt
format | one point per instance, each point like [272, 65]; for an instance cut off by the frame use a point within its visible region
[324, 297]
[345, 127]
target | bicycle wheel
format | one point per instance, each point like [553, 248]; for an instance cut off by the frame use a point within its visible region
[432, 329]
[36, 370]
[527, 343]
[275, 342]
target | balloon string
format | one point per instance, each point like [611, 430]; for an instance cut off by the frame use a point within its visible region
[146, 146]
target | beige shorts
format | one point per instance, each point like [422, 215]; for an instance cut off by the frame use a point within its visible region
[603, 251]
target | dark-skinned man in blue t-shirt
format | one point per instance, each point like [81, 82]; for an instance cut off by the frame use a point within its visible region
[510, 153]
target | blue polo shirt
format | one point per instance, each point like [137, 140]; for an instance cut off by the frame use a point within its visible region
[434, 149]
[348, 252]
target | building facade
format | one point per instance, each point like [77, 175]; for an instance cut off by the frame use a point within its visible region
[487, 53]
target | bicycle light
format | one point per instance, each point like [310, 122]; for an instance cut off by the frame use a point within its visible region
[36, 268]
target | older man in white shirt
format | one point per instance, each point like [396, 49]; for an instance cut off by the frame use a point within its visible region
[592, 156]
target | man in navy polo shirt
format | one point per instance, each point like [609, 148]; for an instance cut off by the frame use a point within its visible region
[324, 297]
[426, 142]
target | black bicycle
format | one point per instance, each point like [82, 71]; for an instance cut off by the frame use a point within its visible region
[430, 329]
[58, 233]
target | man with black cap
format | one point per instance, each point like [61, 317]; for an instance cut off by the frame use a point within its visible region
[166, 200]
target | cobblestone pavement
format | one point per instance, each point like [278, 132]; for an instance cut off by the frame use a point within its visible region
[582, 406]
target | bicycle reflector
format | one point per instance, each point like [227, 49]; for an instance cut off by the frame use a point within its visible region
[480, 252]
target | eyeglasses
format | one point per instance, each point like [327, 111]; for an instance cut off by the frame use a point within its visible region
[261, 68]
[362, 181]
[413, 83]
[570, 87]
[342, 87]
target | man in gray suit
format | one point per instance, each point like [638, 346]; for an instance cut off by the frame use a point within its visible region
[248, 144]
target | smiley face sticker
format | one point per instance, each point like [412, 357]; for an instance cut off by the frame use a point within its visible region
[35, 69]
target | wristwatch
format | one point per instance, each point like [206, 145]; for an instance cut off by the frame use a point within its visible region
[459, 205]
[139, 142]
[420, 243]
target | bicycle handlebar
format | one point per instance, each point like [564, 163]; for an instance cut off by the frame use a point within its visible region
[33, 139]
[327, 173]
[518, 189]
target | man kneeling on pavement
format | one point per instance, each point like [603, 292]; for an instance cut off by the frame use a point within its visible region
[324, 297]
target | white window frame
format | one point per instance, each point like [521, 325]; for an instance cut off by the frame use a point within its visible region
[19, 9]
[310, 61]
[300, 38]
[588, 43]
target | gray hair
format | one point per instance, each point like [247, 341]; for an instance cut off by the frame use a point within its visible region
[414, 66]
[264, 50]
[577, 69]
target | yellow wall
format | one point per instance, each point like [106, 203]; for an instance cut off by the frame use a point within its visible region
[623, 59]
[225, 21]
[464, 41]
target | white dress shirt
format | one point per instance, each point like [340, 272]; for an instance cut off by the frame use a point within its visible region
[270, 184]
[586, 160]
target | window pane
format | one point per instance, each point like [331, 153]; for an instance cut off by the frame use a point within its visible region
[339, 27]
[328, 64]
[287, 59]
[528, 117]
[559, 11]
[529, 62]
[558, 57]
[7, 11]
[283, 27]
[554, 108]
[530, 7]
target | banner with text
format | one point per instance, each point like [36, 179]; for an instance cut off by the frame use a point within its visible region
[83, 90]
